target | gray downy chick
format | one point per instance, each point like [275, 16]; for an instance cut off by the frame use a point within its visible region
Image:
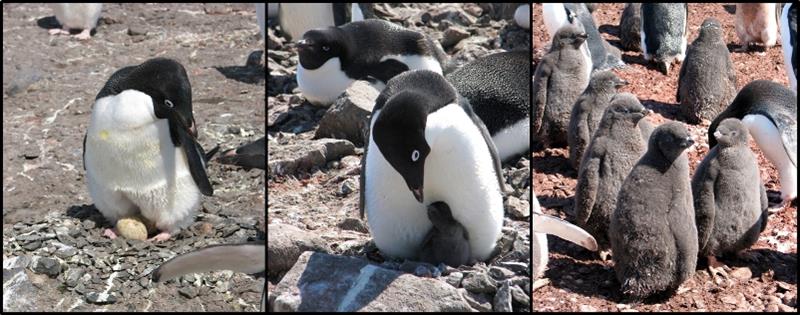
[707, 81]
[652, 231]
[615, 148]
[630, 25]
[448, 240]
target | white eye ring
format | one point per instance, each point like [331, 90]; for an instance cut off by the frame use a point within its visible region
[168, 103]
[326, 48]
[415, 155]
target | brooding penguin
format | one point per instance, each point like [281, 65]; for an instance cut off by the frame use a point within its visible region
[427, 145]
[76, 16]
[376, 50]
[769, 111]
[140, 150]
[789, 42]
[246, 258]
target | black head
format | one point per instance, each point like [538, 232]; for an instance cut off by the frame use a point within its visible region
[606, 81]
[670, 139]
[711, 28]
[569, 35]
[320, 45]
[625, 106]
[439, 213]
[731, 132]
[399, 133]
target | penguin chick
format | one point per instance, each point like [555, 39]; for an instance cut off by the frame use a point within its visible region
[707, 81]
[588, 110]
[664, 31]
[769, 111]
[616, 146]
[560, 77]
[757, 23]
[630, 25]
[448, 240]
[652, 231]
[729, 199]
[76, 16]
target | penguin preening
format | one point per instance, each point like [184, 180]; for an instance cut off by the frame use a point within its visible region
[140, 152]
[333, 58]
[82, 16]
[769, 111]
[246, 258]
[427, 145]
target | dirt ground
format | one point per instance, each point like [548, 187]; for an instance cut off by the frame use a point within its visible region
[581, 282]
[49, 86]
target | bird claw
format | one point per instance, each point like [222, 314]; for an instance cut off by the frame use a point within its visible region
[57, 31]
[84, 35]
[110, 233]
[717, 269]
[163, 236]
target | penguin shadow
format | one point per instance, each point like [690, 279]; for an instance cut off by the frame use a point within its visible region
[299, 118]
[552, 163]
[555, 202]
[251, 73]
[310, 283]
[781, 266]
[669, 111]
[730, 8]
[736, 48]
[50, 22]
[609, 29]
[88, 213]
[573, 262]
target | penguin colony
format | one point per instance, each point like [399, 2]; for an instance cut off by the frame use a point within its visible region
[634, 194]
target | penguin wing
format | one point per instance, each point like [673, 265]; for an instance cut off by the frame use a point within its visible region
[584, 203]
[787, 126]
[543, 223]
[498, 170]
[362, 179]
[84, 150]
[247, 258]
[388, 69]
[251, 155]
[197, 163]
[540, 86]
[703, 192]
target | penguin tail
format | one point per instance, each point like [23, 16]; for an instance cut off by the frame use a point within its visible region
[663, 66]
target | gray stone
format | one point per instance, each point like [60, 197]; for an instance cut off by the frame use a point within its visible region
[518, 209]
[502, 300]
[320, 282]
[73, 276]
[353, 224]
[519, 296]
[100, 298]
[454, 279]
[479, 282]
[302, 155]
[500, 273]
[286, 243]
[477, 301]
[348, 186]
[46, 265]
[348, 117]
[453, 35]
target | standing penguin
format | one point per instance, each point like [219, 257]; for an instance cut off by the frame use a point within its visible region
[615, 148]
[707, 81]
[789, 42]
[298, 18]
[664, 31]
[560, 77]
[601, 53]
[498, 88]
[332, 58]
[630, 25]
[588, 110]
[76, 16]
[769, 111]
[652, 232]
[757, 23]
[448, 240]
[425, 145]
[140, 152]
[730, 202]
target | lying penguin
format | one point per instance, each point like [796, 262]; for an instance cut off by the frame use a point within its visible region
[425, 145]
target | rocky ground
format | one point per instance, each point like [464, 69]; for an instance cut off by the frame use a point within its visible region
[581, 282]
[313, 188]
[54, 254]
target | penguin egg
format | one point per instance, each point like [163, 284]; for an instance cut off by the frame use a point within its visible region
[132, 228]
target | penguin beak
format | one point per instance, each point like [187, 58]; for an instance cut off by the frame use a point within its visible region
[687, 142]
[717, 134]
[622, 83]
[303, 44]
[417, 194]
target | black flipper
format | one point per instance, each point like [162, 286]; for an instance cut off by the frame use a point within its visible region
[195, 156]
[388, 69]
[251, 155]
[84, 150]
[488, 139]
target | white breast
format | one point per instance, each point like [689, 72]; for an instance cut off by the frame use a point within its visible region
[523, 16]
[786, 45]
[768, 138]
[459, 171]
[78, 15]
[323, 85]
[554, 17]
[298, 18]
[417, 62]
[132, 164]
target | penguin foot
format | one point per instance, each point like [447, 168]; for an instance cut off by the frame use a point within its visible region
[84, 35]
[540, 283]
[716, 269]
[163, 236]
[604, 254]
[110, 233]
[58, 31]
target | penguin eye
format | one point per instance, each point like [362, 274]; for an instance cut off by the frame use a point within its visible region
[168, 103]
[415, 155]
[326, 48]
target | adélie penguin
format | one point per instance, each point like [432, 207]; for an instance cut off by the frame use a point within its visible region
[82, 16]
[374, 50]
[788, 23]
[427, 145]
[769, 111]
[497, 87]
[246, 258]
[140, 150]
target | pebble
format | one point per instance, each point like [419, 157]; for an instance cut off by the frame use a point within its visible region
[742, 273]
[587, 308]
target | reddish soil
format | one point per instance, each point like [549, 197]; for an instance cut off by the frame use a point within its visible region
[579, 281]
